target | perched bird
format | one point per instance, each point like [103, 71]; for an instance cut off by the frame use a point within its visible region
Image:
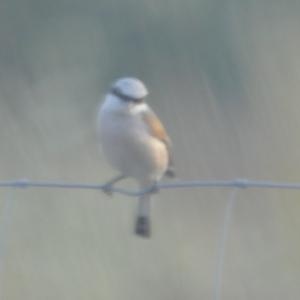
[135, 142]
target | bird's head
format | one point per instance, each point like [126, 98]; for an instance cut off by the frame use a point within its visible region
[126, 95]
[129, 90]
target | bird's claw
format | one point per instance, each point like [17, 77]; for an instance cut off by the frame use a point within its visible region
[108, 189]
[154, 189]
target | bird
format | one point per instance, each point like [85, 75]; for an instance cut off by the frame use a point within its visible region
[135, 143]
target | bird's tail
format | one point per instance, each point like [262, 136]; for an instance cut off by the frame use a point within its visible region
[142, 225]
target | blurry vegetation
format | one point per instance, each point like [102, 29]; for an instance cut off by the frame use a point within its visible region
[223, 75]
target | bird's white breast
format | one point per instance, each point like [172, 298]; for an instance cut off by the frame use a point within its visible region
[126, 141]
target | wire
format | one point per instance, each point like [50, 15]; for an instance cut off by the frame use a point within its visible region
[5, 226]
[179, 184]
[222, 244]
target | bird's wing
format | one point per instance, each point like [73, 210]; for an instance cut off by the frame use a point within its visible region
[157, 130]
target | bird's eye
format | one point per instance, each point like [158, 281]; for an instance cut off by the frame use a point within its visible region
[139, 100]
[117, 92]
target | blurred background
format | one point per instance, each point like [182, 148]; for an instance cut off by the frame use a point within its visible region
[225, 78]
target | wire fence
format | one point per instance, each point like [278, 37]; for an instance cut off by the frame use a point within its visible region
[179, 184]
[234, 184]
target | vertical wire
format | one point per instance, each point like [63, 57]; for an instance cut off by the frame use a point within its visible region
[217, 291]
[5, 222]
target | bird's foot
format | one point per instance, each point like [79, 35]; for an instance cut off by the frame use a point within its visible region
[154, 189]
[108, 189]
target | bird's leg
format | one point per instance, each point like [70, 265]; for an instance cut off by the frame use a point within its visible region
[108, 186]
[153, 189]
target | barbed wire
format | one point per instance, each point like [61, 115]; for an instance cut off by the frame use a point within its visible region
[240, 183]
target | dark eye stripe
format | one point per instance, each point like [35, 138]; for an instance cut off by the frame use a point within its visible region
[126, 98]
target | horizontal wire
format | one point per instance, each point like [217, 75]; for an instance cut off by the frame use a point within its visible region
[235, 183]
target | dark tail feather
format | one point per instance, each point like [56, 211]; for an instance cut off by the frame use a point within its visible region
[142, 225]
